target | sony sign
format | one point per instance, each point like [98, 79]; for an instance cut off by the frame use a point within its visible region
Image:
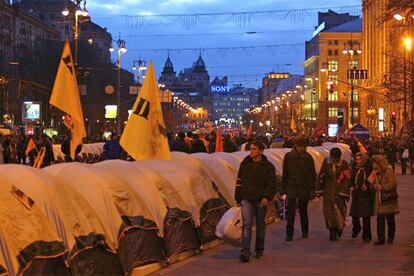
[220, 88]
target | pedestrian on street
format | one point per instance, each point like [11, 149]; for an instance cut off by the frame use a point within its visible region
[386, 198]
[255, 188]
[298, 183]
[404, 156]
[363, 197]
[334, 179]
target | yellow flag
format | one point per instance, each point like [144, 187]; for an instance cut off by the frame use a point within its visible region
[65, 96]
[293, 125]
[145, 134]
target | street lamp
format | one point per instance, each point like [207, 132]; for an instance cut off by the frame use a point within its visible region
[141, 66]
[79, 12]
[121, 50]
[408, 45]
[350, 50]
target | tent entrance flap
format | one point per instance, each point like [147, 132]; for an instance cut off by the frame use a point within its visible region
[180, 234]
[139, 243]
[210, 215]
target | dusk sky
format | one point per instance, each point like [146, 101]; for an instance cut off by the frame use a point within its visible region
[282, 32]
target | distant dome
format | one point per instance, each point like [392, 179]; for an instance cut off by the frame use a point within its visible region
[199, 65]
[168, 67]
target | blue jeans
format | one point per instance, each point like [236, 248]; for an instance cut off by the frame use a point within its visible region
[249, 210]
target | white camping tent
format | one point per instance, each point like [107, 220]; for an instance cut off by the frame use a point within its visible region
[92, 189]
[221, 174]
[38, 185]
[27, 235]
[144, 186]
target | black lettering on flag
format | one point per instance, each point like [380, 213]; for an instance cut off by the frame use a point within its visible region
[67, 61]
[143, 108]
[163, 131]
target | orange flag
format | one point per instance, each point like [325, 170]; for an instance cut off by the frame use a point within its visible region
[219, 141]
[250, 131]
[30, 146]
[210, 126]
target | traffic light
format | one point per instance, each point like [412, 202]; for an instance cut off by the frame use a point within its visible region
[340, 118]
[331, 86]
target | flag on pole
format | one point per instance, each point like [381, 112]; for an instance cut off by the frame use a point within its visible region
[219, 141]
[30, 146]
[209, 126]
[65, 96]
[293, 125]
[250, 131]
[145, 134]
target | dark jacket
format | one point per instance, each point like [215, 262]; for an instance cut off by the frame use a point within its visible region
[198, 146]
[256, 183]
[112, 150]
[180, 145]
[362, 201]
[229, 146]
[299, 175]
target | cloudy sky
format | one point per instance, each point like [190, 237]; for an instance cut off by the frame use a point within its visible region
[223, 32]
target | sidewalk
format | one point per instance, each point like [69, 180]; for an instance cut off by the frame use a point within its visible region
[317, 255]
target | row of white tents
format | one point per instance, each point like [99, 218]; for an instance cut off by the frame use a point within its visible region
[112, 217]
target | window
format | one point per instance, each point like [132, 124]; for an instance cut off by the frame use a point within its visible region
[334, 78]
[330, 42]
[355, 111]
[335, 52]
[333, 112]
[329, 52]
[355, 96]
[333, 97]
[332, 66]
[336, 42]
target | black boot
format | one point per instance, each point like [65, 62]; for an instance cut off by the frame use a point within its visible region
[332, 235]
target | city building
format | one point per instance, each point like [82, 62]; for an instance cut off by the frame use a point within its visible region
[230, 103]
[269, 86]
[21, 35]
[50, 12]
[388, 33]
[330, 95]
[192, 85]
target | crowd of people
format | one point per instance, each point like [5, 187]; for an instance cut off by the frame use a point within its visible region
[369, 182]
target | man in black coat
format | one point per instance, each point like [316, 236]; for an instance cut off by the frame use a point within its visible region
[298, 183]
[256, 186]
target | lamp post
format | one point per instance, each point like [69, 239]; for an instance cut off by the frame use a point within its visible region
[407, 19]
[121, 50]
[351, 51]
[139, 65]
[79, 12]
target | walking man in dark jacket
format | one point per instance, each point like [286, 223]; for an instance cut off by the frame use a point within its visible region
[298, 182]
[256, 186]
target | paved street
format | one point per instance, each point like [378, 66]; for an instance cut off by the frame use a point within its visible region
[316, 255]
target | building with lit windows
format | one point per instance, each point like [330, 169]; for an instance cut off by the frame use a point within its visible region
[329, 95]
[388, 25]
[269, 86]
[192, 85]
[229, 106]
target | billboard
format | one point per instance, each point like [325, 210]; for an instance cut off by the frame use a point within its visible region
[110, 111]
[31, 112]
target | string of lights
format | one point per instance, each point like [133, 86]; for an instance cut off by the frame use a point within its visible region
[242, 19]
[216, 34]
[203, 49]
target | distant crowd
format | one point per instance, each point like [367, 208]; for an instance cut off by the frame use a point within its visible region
[15, 148]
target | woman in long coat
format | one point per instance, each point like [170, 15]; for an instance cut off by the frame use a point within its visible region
[333, 182]
[385, 183]
[363, 196]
